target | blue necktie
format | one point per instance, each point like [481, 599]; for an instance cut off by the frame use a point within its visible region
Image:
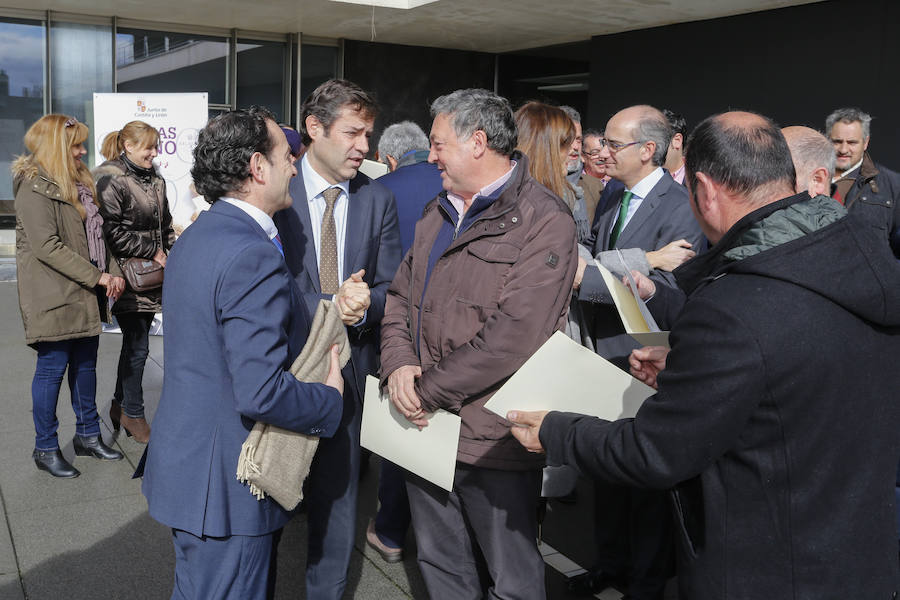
[277, 241]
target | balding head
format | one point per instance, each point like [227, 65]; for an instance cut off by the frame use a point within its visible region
[745, 152]
[814, 159]
[643, 134]
[736, 162]
[649, 124]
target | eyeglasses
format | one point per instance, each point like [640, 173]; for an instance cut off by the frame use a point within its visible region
[593, 154]
[616, 146]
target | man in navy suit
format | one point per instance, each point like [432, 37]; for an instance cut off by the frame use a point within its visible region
[235, 323]
[413, 180]
[341, 243]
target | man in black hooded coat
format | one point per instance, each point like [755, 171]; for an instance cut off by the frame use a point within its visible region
[775, 424]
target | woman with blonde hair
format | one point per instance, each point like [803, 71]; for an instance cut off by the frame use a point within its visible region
[137, 223]
[66, 280]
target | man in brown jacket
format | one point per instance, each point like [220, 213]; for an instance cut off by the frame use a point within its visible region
[485, 283]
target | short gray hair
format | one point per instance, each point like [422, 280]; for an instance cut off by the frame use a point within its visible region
[401, 138]
[573, 114]
[653, 126]
[811, 150]
[477, 109]
[849, 115]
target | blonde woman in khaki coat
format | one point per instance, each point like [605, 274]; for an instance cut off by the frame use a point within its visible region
[66, 281]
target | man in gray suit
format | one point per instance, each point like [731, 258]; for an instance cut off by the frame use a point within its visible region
[647, 226]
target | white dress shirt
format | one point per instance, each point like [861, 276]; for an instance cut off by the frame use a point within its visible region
[638, 193]
[264, 220]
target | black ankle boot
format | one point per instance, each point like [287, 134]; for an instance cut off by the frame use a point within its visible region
[53, 462]
[92, 445]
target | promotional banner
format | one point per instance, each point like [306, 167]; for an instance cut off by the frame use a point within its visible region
[178, 118]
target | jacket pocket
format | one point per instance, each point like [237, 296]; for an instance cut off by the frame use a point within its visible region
[493, 251]
[487, 264]
[687, 504]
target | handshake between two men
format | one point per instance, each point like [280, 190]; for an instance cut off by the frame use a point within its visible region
[353, 298]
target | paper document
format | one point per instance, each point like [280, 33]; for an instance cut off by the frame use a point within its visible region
[636, 318]
[563, 375]
[429, 453]
[373, 169]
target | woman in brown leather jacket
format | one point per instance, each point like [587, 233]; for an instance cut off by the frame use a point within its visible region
[137, 223]
[66, 280]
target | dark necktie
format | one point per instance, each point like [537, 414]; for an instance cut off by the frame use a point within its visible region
[328, 252]
[620, 222]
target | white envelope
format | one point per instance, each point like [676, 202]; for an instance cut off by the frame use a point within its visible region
[565, 376]
[429, 453]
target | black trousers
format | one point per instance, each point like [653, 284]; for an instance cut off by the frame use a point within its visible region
[633, 531]
[132, 358]
[480, 540]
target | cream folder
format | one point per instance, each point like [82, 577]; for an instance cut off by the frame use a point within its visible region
[429, 453]
[637, 320]
[565, 376]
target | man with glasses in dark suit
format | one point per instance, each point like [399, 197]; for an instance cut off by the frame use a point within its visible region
[647, 225]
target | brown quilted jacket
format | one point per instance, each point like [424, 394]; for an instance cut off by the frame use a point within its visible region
[498, 292]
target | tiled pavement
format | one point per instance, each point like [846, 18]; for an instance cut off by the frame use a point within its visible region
[91, 537]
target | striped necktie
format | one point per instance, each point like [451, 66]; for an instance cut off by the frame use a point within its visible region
[277, 241]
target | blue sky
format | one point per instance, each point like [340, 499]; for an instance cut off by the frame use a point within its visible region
[21, 55]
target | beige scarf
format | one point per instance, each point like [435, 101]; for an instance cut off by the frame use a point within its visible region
[275, 461]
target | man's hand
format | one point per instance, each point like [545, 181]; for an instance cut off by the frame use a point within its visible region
[647, 362]
[353, 298]
[335, 379]
[579, 273]
[527, 427]
[671, 255]
[402, 391]
[646, 287]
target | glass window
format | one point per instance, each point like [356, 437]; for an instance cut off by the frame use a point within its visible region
[160, 61]
[260, 75]
[22, 61]
[215, 112]
[80, 64]
[318, 64]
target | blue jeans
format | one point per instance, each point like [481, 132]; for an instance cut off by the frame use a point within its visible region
[80, 356]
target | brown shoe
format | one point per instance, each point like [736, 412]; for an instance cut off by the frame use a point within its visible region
[136, 428]
[390, 555]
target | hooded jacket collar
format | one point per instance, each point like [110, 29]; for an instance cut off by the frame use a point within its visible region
[833, 255]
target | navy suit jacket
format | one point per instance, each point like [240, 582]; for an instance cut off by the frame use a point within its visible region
[413, 187]
[372, 242]
[234, 324]
[663, 216]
